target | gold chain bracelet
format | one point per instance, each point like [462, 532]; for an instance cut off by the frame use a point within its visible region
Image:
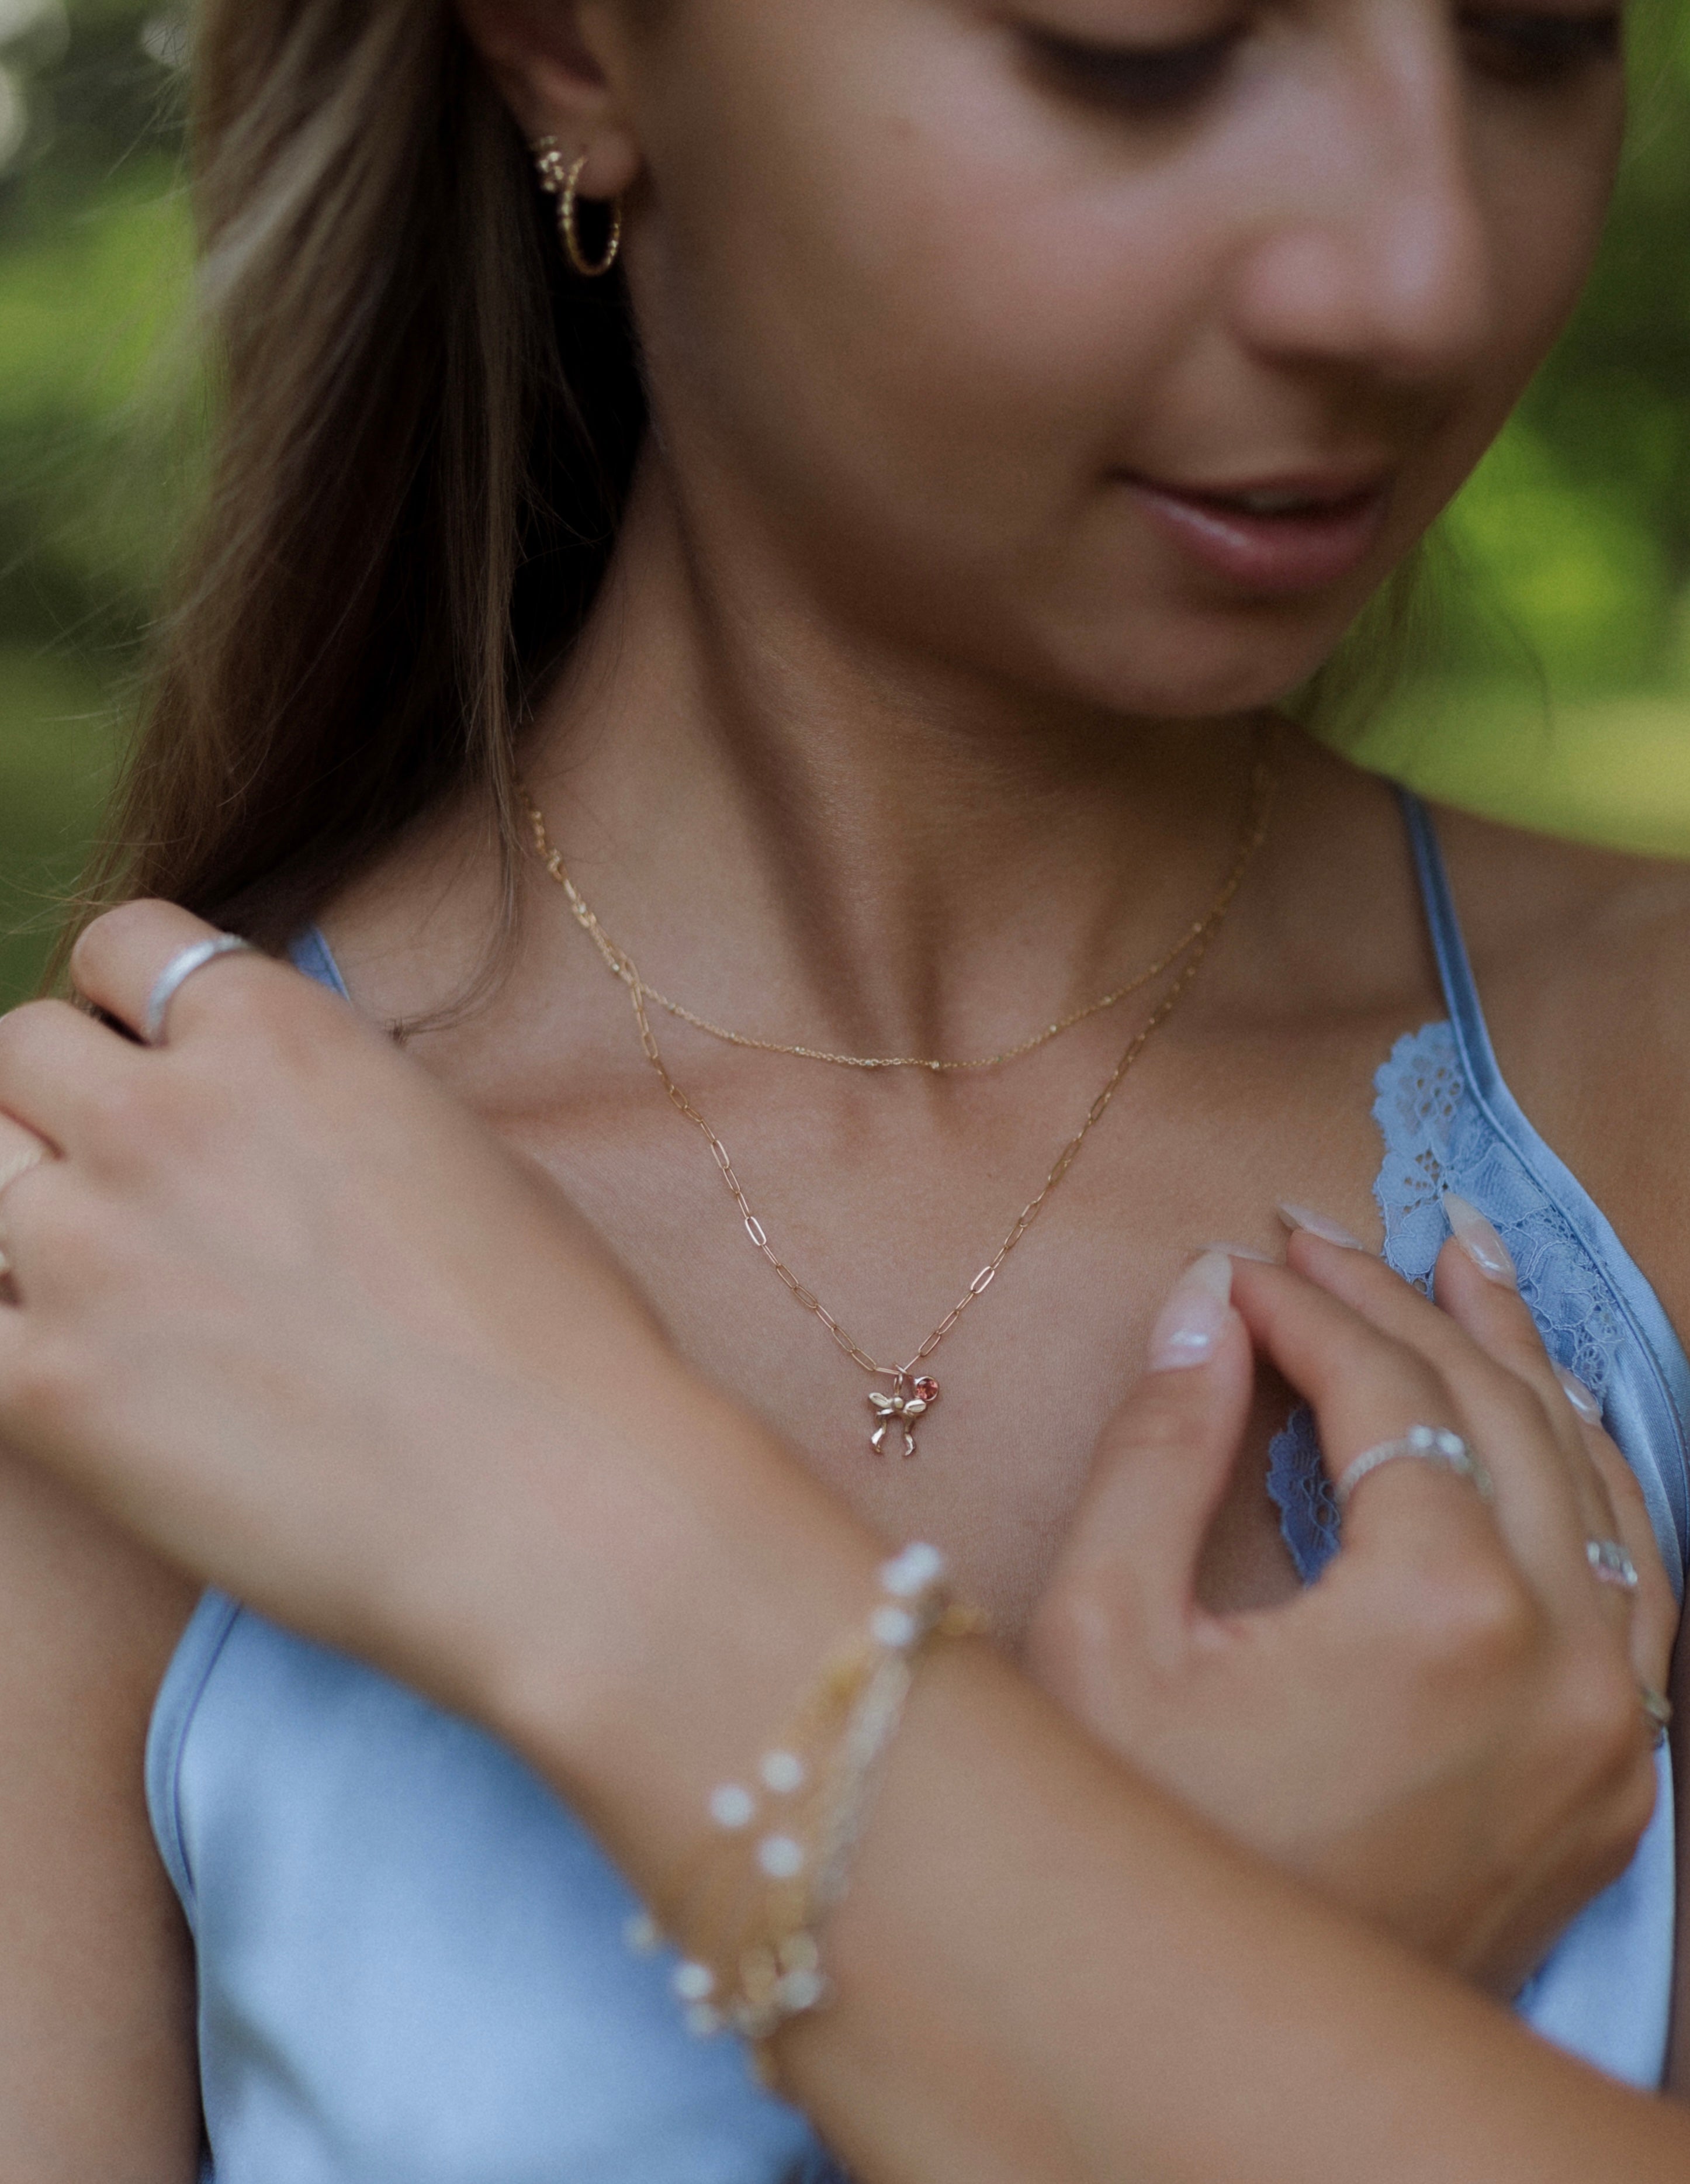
[748, 1913]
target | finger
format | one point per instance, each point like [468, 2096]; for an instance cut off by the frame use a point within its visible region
[1476, 1289]
[1492, 1310]
[118, 961]
[1529, 1439]
[1654, 1605]
[1365, 1388]
[22, 1203]
[1481, 1323]
[59, 1072]
[1475, 1306]
[1475, 1283]
[1476, 1293]
[1164, 1460]
[20, 1150]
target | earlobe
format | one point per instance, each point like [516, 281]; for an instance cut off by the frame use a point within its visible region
[557, 67]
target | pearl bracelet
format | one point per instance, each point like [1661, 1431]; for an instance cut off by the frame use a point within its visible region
[749, 1912]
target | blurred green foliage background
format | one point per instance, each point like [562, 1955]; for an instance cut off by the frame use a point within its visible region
[94, 267]
[1557, 691]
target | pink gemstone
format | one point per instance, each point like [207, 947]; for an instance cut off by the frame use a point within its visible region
[927, 1390]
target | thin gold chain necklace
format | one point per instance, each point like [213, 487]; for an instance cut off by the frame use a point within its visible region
[618, 962]
[913, 1393]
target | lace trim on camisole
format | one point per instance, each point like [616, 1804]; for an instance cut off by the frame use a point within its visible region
[1436, 1139]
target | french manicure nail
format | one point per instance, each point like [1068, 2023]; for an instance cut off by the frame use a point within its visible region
[19, 1163]
[1244, 1251]
[1479, 1241]
[1579, 1396]
[1194, 1316]
[1317, 1224]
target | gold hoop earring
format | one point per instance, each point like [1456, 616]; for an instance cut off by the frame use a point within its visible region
[564, 183]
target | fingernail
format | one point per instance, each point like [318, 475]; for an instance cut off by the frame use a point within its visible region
[1579, 1397]
[1194, 1316]
[1317, 1224]
[19, 1163]
[1479, 1241]
[1243, 1251]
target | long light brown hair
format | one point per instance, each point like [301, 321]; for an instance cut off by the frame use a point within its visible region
[423, 437]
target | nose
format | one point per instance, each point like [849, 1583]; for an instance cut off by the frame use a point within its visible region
[1377, 252]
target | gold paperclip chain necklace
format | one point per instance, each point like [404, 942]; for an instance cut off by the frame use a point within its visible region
[915, 1393]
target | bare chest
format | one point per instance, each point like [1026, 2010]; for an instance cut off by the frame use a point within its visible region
[884, 1205]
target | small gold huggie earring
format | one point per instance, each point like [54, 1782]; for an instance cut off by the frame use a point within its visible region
[564, 183]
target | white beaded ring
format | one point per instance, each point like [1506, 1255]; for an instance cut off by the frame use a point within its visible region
[1419, 1445]
[1610, 1564]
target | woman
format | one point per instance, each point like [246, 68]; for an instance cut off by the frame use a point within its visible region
[1036, 396]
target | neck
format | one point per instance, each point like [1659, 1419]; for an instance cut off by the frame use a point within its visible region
[803, 829]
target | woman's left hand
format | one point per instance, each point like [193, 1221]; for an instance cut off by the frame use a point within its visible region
[1445, 1734]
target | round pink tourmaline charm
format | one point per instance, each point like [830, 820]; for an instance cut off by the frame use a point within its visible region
[927, 1390]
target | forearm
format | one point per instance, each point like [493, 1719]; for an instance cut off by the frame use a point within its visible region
[1038, 1951]
[1045, 1972]
[495, 1482]
[1678, 2057]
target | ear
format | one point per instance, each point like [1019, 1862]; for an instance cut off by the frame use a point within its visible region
[562, 66]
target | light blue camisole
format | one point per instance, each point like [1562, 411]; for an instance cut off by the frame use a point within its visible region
[410, 1955]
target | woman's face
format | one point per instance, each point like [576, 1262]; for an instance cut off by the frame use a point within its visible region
[1120, 347]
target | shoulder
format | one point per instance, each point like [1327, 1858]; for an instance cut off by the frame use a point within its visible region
[1524, 892]
[1583, 958]
[97, 2069]
[88, 1625]
[416, 933]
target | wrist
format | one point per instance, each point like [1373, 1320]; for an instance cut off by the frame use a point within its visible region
[664, 1586]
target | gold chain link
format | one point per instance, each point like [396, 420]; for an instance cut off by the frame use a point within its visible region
[1194, 948]
[621, 964]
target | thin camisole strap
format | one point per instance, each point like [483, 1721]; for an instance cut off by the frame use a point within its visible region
[310, 953]
[1661, 1387]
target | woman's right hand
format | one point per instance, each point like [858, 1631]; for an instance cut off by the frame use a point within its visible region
[1445, 1733]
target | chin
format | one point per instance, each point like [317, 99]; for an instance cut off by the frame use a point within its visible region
[1213, 670]
[1127, 633]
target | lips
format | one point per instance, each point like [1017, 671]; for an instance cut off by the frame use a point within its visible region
[1276, 537]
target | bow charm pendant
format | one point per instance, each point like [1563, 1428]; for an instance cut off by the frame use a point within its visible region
[900, 1411]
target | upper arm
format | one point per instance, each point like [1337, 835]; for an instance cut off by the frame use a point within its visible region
[1662, 1216]
[1623, 1122]
[1678, 2052]
[97, 2075]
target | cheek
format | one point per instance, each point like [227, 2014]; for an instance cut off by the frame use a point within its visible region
[1546, 204]
[919, 326]
[902, 321]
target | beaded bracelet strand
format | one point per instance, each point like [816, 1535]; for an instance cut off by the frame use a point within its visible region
[749, 1910]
